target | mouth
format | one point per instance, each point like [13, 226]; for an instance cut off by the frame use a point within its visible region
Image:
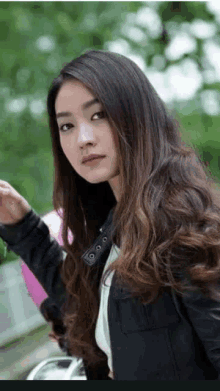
[94, 160]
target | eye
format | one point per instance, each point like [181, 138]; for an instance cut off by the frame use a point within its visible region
[69, 125]
[103, 114]
[61, 128]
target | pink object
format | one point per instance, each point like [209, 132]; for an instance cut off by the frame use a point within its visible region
[37, 293]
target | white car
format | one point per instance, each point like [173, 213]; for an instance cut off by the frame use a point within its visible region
[58, 368]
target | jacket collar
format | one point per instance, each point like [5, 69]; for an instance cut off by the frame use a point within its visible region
[96, 255]
[101, 244]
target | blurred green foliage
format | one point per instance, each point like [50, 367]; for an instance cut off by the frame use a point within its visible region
[37, 38]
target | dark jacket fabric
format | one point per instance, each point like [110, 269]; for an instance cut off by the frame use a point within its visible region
[174, 338]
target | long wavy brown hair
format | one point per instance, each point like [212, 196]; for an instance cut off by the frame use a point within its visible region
[167, 220]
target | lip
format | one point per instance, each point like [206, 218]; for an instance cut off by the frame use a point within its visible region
[93, 162]
[92, 157]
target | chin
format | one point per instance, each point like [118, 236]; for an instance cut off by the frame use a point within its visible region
[96, 180]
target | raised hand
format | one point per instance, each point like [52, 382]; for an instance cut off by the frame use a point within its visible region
[13, 207]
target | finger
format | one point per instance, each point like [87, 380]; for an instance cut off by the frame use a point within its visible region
[5, 186]
[4, 190]
[10, 191]
[4, 183]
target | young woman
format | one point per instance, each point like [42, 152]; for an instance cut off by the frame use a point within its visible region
[138, 286]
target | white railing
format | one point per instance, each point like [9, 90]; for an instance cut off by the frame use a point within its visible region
[19, 314]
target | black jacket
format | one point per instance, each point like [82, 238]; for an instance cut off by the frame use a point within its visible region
[172, 339]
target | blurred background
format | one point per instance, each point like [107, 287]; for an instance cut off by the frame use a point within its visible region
[176, 44]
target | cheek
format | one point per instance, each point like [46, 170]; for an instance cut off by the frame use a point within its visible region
[71, 156]
[115, 139]
[65, 145]
[66, 150]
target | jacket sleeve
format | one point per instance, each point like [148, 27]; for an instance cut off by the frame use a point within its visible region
[31, 240]
[204, 314]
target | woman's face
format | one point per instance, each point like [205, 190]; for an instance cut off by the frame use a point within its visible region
[84, 131]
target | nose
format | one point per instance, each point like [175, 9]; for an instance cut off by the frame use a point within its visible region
[86, 135]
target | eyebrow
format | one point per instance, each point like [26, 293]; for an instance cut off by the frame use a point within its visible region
[85, 106]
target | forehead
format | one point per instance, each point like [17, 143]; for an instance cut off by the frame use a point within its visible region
[72, 92]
